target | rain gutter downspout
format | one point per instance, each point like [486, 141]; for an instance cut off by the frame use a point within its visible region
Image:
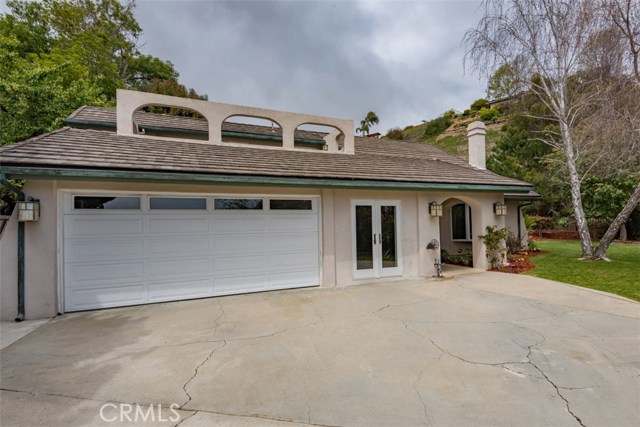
[21, 198]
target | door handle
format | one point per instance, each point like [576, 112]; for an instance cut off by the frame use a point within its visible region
[380, 238]
[374, 238]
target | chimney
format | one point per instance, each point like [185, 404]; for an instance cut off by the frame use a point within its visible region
[476, 132]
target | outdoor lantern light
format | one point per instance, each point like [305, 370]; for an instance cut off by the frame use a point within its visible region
[435, 209]
[29, 210]
[499, 209]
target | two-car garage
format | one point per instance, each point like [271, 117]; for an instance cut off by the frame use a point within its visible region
[125, 249]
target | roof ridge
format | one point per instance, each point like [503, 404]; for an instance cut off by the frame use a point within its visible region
[77, 111]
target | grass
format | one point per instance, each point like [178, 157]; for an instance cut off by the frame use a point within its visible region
[620, 276]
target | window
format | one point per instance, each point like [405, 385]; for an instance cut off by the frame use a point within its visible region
[293, 205]
[195, 203]
[100, 202]
[461, 222]
[234, 204]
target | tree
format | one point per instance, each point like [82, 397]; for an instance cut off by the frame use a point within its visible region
[57, 55]
[364, 127]
[549, 40]
[365, 124]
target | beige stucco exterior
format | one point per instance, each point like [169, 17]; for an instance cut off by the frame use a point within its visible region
[42, 244]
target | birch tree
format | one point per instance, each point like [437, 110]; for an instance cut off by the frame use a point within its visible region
[549, 41]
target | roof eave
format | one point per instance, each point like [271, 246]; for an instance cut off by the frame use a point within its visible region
[27, 172]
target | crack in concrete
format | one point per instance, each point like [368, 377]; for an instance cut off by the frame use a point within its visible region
[306, 392]
[195, 373]
[502, 364]
[185, 418]
[424, 404]
[262, 417]
[553, 384]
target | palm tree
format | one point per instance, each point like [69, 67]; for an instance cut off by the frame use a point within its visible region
[364, 127]
[372, 118]
[365, 124]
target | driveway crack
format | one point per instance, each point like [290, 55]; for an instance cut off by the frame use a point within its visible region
[424, 405]
[195, 373]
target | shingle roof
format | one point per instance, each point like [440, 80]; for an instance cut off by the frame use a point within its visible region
[374, 159]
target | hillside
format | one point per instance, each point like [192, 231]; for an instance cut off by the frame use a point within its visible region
[449, 131]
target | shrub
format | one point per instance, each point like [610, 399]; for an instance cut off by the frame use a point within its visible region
[436, 126]
[394, 133]
[493, 240]
[489, 114]
[478, 104]
[450, 114]
[466, 113]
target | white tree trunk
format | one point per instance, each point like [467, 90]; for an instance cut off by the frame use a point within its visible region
[623, 216]
[576, 197]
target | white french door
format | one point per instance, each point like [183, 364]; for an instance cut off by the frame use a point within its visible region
[376, 238]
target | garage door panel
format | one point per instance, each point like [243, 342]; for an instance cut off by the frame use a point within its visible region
[234, 265]
[129, 294]
[177, 246]
[183, 289]
[231, 223]
[98, 225]
[292, 242]
[123, 258]
[178, 267]
[86, 250]
[293, 261]
[291, 223]
[300, 278]
[177, 225]
[246, 283]
[97, 274]
[239, 244]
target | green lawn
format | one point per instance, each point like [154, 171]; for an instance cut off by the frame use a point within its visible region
[620, 276]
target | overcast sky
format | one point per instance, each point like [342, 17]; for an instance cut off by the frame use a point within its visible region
[401, 59]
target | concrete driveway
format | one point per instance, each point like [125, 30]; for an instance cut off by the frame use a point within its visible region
[481, 349]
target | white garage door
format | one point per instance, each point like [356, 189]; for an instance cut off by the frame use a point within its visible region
[134, 249]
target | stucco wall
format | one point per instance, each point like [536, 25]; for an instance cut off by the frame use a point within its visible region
[418, 228]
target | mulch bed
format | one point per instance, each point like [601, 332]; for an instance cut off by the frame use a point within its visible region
[519, 262]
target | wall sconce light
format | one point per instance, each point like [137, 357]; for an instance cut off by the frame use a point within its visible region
[499, 209]
[29, 210]
[435, 209]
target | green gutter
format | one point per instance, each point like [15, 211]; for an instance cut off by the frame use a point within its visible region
[16, 172]
[190, 132]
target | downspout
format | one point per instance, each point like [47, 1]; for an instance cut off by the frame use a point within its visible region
[21, 198]
[519, 212]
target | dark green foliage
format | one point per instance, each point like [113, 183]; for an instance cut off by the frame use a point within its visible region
[489, 114]
[436, 126]
[478, 104]
[394, 133]
[57, 55]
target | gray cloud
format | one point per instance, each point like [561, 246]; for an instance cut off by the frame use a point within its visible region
[401, 59]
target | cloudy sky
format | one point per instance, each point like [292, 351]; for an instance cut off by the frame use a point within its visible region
[342, 58]
[401, 59]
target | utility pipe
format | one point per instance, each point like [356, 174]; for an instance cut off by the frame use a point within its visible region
[21, 198]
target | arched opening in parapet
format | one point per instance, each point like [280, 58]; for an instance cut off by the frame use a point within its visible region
[457, 231]
[312, 136]
[252, 130]
[171, 122]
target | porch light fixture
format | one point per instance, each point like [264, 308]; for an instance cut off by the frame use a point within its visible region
[29, 210]
[435, 209]
[499, 209]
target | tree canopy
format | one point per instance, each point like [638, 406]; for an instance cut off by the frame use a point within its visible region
[57, 55]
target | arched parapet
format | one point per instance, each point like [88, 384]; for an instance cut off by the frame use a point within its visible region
[128, 102]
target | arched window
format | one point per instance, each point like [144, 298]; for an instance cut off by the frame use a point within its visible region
[461, 223]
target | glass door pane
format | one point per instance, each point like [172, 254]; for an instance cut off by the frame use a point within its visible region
[388, 236]
[364, 239]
